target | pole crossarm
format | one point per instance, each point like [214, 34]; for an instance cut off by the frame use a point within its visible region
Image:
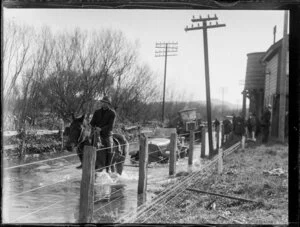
[163, 45]
[169, 51]
[169, 55]
[204, 19]
[203, 27]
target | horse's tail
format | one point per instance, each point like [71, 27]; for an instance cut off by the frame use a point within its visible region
[123, 142]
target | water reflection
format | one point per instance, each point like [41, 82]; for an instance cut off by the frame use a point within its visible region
[59, 203]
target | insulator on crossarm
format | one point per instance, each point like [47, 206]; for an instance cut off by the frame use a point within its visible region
[192, 25]
[208, 16]
[198, 25]
[193, 17]
[209, 23]
[200, 17]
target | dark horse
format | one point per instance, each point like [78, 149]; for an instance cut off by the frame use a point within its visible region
[79, 135]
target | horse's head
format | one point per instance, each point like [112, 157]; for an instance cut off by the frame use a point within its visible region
[75, 133]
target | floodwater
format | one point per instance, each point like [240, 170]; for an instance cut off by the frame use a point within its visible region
[48, 192]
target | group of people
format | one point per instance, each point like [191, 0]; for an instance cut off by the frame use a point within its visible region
[256, 126]
[251, 127]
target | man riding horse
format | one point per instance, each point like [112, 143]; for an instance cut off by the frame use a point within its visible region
[111, 147]
[102, 124]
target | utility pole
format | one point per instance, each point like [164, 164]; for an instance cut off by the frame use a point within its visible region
[274, 34]
[283, 75]
[223, 89]
[165, 50]
[208, 103]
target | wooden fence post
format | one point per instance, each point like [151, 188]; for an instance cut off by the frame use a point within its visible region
[191, 147]
[86, 206]
[203, 136]
[218, 138]
[173, 148]
[222, 135]
[143, 162]
[243, 142]
[220, 160]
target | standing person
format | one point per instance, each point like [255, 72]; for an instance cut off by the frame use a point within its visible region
[239, 125]
[253, 126]
[227, 126]
[249, 126]
[233, 122]
[217, 130]
[103, 122]
[286, 126]
[217, 125]
[266, 118]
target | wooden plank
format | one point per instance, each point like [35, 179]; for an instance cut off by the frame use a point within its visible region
[86, 204]
[143, 162]
[191, 147]
[221, 195]
[173, 147]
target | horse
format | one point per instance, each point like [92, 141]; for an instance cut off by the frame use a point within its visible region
[79, 135]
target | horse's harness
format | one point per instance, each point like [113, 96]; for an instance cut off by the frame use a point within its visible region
[81, 139]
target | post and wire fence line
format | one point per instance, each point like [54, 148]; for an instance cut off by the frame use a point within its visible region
[87, 172]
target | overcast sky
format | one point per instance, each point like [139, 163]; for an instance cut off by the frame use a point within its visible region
[245, 32]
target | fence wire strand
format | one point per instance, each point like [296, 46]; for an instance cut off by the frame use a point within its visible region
[163, 195]
[38, 210]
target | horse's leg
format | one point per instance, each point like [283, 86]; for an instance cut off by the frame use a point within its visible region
[119, 159]
[108, 143]
[101, 156]
[79, 151]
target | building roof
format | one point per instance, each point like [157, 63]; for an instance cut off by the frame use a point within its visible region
[272, 51]
[187, 109]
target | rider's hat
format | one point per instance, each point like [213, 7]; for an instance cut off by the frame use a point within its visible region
[105, 99]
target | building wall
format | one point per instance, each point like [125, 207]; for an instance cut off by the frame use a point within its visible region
[271, 80]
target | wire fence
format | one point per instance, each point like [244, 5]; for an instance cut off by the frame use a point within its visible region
[162, 204]
[160, 196]
[167, 192]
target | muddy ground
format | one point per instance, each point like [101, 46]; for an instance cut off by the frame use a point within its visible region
[260, 173]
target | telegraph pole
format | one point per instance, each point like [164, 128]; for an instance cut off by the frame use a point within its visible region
[274, 34]
[208, 104]
[223, 89]
[165, 50]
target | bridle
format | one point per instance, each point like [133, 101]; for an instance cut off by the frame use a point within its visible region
[82, 139]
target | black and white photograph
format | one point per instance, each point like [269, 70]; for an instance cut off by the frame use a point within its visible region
[145, 116]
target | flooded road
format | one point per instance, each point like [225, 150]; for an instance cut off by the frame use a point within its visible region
[49, 192]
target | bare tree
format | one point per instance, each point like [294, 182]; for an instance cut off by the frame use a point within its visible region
[15, 54]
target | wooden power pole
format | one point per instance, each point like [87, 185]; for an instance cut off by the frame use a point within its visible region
[169, 50]
[283, 75]
[208, 103]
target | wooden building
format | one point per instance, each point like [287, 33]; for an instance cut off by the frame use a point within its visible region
[262, 83]
[272, 62]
